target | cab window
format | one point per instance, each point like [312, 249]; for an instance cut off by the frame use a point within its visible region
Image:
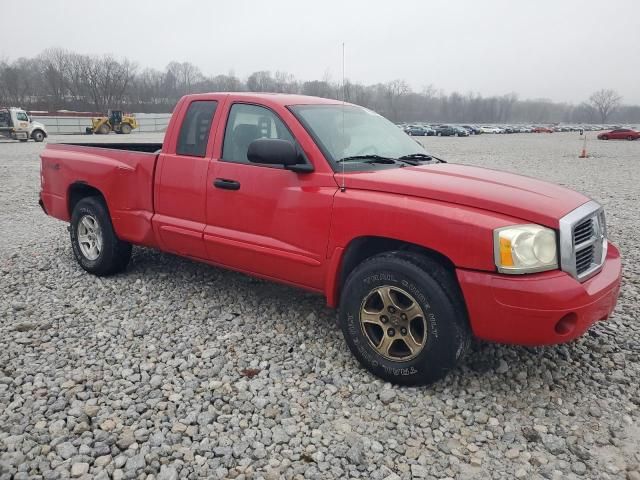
[22, 117]
[194, 132]
[247, 123]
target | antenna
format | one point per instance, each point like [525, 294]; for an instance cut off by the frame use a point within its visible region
[343, 187]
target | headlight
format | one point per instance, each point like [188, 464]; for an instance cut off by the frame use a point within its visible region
[525, 249]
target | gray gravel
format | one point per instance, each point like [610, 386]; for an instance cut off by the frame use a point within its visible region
[179, 370]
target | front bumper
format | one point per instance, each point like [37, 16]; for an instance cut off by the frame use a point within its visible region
[539, 309]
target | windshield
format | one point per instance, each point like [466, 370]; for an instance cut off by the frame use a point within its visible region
[362, 133]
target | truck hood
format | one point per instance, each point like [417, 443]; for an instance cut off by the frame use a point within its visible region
[509, 194]
[35, 125]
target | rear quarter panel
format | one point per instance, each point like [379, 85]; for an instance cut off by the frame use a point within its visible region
[124, 178]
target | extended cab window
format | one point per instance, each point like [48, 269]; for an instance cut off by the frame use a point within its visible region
[22, 117]
[247, 123]
[194, 132]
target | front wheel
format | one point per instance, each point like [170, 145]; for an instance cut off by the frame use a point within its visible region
[605, 137]
[125, 129]
[38, 136]
[403, 318]
[630, 137]
[95, 245]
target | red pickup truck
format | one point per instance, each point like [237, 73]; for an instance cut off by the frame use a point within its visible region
[417, 254]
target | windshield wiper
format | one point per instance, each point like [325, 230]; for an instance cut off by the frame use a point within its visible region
[368, 159]
[420, 157]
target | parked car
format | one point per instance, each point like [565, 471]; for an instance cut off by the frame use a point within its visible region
[418, 255]
[461, 131]
[430, 130]
[446, 131]
[487, 129]
[542, 130]
[472, 129]
[619, 134]
[416, 130]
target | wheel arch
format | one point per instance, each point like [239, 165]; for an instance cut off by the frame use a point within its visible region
[79, 190]
[361, 248]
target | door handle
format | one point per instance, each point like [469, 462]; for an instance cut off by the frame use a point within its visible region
[226, 184]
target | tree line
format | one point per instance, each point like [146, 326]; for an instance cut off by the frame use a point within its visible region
[59, 79]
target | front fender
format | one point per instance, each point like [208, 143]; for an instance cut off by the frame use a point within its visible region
[462, 234]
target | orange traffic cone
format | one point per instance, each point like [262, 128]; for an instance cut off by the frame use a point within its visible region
[583, 154]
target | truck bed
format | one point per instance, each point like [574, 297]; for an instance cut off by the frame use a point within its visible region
[122, 173]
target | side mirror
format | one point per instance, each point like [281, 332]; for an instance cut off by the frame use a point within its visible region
[273, 151]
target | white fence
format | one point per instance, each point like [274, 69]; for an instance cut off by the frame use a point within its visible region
[147, 122]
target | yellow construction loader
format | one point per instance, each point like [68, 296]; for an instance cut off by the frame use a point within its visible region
[115, 121]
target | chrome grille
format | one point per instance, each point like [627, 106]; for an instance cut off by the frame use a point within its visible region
[584, 259]
[583, 231]
[583, 242]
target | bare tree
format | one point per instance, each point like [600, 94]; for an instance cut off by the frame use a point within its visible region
[62, 79]
[260, 82]
[106, 80]
[318, 88]
[56, 72]
[394, 91]
[285, 83]
[186, 75]
[605, 101]
[225, 83]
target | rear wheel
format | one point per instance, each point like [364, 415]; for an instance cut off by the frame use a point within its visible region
[403, 318]
[95, 245]
[125, 128]
[631, 137]
[605, 137]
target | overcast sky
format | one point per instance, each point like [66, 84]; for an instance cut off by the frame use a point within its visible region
[562, 50]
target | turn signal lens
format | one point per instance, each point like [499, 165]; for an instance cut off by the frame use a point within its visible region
[506, 259]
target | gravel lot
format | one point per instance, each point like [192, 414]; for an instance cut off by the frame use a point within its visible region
[179, 370]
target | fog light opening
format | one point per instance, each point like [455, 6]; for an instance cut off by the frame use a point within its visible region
[566, 324]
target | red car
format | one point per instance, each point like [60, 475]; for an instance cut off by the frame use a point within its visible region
[418, 255]
[619, 134]
[542, 130]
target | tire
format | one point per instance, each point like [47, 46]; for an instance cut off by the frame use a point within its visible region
[439, 333]
[37, 135]
[90, 220]
[605, 137]
[104, 129]
[630, 137]
[439, 134]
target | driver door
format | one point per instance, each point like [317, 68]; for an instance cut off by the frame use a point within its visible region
[264, 219]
